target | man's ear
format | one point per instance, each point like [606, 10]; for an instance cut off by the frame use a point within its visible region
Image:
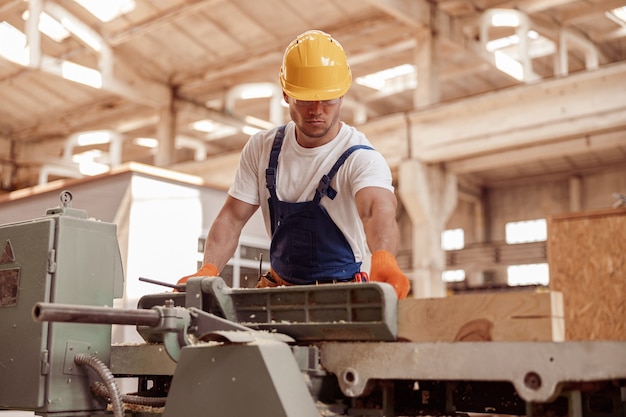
[285, 97]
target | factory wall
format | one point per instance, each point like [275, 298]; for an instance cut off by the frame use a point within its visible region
[532, 200]
[542, 199]
[466, 216]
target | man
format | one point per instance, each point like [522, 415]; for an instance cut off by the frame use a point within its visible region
[325, 193]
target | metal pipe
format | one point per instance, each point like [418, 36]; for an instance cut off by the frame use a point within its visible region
[98, 315]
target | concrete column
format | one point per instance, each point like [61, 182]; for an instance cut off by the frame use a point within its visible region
[166, 135]
[474, 276]
[8, 169]
[429, 195]
[575, 193]
[426, 57]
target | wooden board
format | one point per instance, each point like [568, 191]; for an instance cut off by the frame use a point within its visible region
[587, 259]
[512, 316]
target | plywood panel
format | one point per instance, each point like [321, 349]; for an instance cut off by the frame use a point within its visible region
[514, 316]
[587, 258]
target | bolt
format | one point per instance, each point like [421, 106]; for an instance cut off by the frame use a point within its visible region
[532, 380]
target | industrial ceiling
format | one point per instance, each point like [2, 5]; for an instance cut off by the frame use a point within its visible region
[199, 76]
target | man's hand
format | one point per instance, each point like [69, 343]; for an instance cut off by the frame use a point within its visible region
[385, 269]
[207, 270]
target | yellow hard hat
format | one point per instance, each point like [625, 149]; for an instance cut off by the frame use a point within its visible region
[315, 67]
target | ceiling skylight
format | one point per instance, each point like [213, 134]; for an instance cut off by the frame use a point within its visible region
[213, 130]
[84, 33]
[538, 46]
[504, 19]
[620, 13]
[81, 74]
[107, 10]
[257, 91]
[395, 79]
[507, 54]
[13, 45]
[50, 27]
[94, 137]
[13, 48]
[205, 125]
[88, 162]
[146, 142]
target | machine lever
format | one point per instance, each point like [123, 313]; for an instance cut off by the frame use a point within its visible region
[177, 287]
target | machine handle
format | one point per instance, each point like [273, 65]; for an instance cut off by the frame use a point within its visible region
[177, 287]
[90, 314]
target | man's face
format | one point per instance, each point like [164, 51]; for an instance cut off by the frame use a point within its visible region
[317, 122]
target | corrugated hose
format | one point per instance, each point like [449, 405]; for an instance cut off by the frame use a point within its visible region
[107, 377]
[99, 389]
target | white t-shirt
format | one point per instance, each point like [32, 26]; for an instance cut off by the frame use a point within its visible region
[300, 170]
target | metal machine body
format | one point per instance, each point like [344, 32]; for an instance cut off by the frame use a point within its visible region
[241, 356]
[62, 257]
[303, 351]
[239, 379]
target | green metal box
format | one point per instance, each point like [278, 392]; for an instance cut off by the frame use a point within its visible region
[63, 257]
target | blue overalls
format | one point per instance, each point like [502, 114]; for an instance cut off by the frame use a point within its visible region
[307, 246]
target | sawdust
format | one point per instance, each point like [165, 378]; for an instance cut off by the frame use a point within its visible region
[137, 408]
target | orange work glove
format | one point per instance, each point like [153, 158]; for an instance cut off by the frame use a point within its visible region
[385, 269]
[207, 270]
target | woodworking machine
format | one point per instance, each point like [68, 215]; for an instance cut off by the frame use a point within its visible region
[211, 350]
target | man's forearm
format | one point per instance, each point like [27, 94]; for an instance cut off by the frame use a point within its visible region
[382, 233]
[377, 209]
[221, 244]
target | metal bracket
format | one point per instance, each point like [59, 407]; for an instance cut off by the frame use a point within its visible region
[72, 349]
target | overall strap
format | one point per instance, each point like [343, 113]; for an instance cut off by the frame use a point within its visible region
[324, 187]
[270, 171]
